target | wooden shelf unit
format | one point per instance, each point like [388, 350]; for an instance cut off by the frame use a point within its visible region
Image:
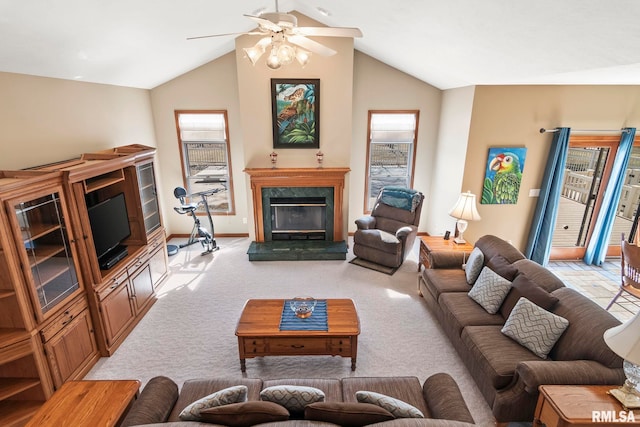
[55, 317]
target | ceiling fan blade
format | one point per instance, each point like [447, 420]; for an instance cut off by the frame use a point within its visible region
[251, 33]
[328, 31]
[311, 46]
[265, 23]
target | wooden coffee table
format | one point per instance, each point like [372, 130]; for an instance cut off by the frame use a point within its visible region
[259, 333]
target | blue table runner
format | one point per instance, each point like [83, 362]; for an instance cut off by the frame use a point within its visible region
[316, 322]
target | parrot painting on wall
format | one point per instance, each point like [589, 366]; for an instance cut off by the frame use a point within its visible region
[503, 175]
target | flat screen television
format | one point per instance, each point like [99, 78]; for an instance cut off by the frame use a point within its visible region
[109, 224]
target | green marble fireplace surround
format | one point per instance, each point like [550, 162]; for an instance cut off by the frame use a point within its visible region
[269, 193]
[290, 184]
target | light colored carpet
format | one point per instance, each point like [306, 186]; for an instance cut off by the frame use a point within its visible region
[189, 332]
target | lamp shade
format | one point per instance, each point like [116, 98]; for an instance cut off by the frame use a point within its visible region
[465, 208]
[624, 340]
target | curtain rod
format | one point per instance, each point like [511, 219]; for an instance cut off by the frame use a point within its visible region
[543, 130]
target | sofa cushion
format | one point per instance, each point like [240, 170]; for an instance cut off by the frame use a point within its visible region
[492, 245]
[474, 265]
[459, 311]
[234, 394]
[397, 407]
[193, 390]
[523, 287]
[292, 397]
[539, 275]
[439, 281]
[583, 339]
[347, 414]
[492, 357]
[503, 267]
[534, 327]
[245, 414]
[405, 388]
[490, 290]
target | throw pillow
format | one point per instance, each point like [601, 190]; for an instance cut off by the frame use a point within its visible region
[474, 265]
[534, 327]
[500, 265]
[225, 396]
[347, 414]
[522, 286]
[245, 414]
[490, 290]
[397, 407]
[292, 397]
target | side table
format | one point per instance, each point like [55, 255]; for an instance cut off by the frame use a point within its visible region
[581, 405]
[429, 244]
[87, 404]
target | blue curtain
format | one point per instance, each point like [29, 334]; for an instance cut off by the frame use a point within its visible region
[599, 241]
[544, 218]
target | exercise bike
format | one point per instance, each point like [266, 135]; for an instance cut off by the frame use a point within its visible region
[198, 233]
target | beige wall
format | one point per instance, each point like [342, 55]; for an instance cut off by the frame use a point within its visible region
[45, 120]
[512, 116]
[213, 86]
[336, 88]
[378, 86]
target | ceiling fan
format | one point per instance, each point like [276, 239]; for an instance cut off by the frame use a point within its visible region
[287, 40]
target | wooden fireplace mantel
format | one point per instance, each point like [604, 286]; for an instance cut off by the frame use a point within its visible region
[298, 177]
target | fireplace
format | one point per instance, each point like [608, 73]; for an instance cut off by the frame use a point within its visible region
[298, 218]
[308, 203]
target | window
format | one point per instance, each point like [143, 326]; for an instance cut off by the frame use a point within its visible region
[391, 150]
[203, 137]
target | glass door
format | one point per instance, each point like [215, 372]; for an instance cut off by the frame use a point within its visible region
[45, 239]
[587, 171]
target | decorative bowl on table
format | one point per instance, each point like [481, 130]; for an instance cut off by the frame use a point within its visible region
[303, 306]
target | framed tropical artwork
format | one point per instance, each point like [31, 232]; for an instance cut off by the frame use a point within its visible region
[295, 113]
[503, 175]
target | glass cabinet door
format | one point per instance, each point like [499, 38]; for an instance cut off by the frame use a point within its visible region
[46, 242]
[150, 208]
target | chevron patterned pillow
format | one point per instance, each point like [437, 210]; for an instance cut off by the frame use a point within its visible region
[474, 265]
[292, 397]
[235, 394]
[534, 327]
[490, 290]
[397, 407]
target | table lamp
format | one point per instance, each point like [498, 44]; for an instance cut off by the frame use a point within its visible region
[624, 340]
[464, 210]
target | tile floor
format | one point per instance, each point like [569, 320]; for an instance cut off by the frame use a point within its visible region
[599, 283]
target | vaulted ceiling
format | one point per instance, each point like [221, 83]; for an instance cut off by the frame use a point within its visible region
[446, 43]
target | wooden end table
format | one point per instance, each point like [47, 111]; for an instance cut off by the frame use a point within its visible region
[259, 333]
[429, 244]
[581, 405]
[87, 404]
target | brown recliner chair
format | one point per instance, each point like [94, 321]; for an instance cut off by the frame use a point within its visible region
[386, 236]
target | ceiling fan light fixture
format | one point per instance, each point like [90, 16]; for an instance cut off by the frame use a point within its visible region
[253, 54]
[272, 60]
[286, 54]
[303, 56]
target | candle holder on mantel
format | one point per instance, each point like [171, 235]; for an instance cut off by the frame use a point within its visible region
[274, 159]
[319, 158]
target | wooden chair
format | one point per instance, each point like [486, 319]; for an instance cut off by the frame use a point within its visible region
[630, 270]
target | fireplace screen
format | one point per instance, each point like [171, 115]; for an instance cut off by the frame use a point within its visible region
[298, 218]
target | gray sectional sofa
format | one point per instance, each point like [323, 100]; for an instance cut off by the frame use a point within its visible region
[438, 398]
[507, 373]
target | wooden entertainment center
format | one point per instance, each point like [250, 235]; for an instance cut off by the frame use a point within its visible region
[59, 311]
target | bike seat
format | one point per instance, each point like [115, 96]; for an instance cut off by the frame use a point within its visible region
[185, 209]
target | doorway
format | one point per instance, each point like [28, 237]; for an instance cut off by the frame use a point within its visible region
[589, 163]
